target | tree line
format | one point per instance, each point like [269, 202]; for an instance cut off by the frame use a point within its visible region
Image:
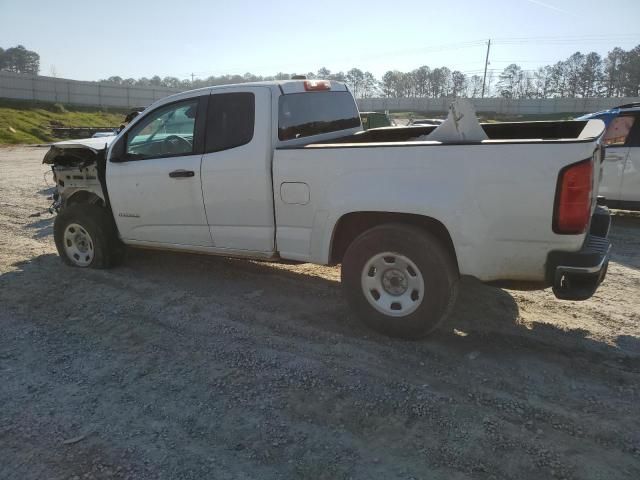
[581, 75]
[19, 60]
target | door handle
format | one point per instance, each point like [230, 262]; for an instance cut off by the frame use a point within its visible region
[181, 173]
[613, 157]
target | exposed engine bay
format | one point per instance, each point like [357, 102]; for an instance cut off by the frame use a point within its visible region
[78, 168]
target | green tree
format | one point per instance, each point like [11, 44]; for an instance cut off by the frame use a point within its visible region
[355, 80]
[20, 60]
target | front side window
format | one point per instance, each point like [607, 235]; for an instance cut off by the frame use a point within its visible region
[618, 131]
[314, 113]
[167, 131]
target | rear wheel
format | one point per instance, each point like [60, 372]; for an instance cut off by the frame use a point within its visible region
[400, 280]
[85, 236]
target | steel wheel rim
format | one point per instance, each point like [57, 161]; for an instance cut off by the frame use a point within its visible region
[78, 245]
[392, 284]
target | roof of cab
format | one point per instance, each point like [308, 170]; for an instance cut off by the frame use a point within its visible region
[286, 86]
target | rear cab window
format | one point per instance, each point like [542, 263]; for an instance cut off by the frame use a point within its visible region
[314, 113]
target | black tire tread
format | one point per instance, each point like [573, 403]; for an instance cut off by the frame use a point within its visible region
[100, 225]
[438, 268]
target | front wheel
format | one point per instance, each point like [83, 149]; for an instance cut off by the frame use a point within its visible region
[85, 236]
[400, 280]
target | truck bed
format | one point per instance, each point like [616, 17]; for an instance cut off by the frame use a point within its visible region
[511, 132]
[495, 197]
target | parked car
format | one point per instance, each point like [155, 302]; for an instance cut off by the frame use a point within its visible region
[621, 173]
[283, 171]
[106, 133]
[114, 131]
[425, 121]
[375, 120]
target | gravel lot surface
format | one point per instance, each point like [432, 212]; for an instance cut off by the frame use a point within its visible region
[181, 366]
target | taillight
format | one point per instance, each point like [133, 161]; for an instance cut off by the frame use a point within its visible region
[573, 198]
[313, 85]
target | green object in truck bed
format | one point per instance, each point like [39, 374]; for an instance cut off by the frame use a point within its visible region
[374, 120]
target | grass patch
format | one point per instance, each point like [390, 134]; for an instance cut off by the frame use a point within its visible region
[30, 122]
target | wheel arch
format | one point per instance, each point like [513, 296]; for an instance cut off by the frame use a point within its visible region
[84, 196]
[351, 225]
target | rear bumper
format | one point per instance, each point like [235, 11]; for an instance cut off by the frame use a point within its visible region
[577, 275]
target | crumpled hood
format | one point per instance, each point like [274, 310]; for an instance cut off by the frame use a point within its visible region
[81, 152]
[93, 143]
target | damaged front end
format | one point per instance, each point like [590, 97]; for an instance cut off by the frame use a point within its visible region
[78, 169]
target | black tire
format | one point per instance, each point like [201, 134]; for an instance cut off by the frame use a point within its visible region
[97, 221]
[434, 262]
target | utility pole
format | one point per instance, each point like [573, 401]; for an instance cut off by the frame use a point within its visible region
[192, 76]
[486, 62]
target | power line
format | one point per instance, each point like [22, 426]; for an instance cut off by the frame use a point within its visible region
[547, 40]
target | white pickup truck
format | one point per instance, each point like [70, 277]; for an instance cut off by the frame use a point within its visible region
[283, 171]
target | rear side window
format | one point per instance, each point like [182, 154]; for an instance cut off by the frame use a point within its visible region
[305, 114]
[618, 130]
[230, 119]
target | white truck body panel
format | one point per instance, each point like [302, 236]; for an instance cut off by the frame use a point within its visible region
[465, 187]
[630, 186]
[613, 172]
[152, 207]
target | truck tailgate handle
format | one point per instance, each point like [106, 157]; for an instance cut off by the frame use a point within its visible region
[181, 173]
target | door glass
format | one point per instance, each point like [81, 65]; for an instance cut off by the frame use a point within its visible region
[167, 131]
[618, 131]
[230, 119]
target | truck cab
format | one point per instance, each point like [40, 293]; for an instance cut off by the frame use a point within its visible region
[195, 171]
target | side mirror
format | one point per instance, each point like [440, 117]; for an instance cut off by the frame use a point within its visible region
[118, 151]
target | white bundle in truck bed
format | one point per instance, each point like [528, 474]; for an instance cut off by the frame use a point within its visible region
[461, 125]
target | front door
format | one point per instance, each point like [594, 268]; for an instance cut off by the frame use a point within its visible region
[155, 188]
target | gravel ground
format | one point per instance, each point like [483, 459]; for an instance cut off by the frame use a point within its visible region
[181, 366]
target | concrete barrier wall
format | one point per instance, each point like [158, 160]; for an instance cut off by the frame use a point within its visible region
[50, 89]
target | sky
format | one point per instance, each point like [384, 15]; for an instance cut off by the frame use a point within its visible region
[87, 40]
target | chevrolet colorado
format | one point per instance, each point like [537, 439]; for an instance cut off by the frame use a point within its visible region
[283, 171]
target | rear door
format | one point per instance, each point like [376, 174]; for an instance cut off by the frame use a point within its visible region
[630, 190]
[154, 187]
[236, 169]
[615, 140]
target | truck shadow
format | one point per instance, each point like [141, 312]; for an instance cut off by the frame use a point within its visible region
[291, 299]
[41, 228]
[487, 319]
